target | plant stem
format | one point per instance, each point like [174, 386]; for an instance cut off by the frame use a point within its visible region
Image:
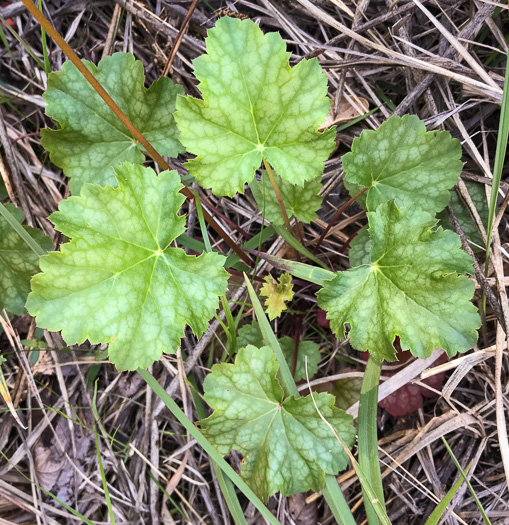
[18, 228]
[270, 173]
[336, 216]
[368, 441]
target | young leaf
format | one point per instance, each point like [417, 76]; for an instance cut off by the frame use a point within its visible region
[286, 445]
[117, 281]
[403, 161]
[254, 104]
[277, 293]
[18, 263]
[91, 139]
[301, 201]
[250, 334]
[478, 195]
[410, 289]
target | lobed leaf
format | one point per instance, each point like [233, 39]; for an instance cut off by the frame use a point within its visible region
[403, 161]
[254, 104]
[286, 445]
[118, 281]
[410, 288]
[250, 334]
[18, 263]
[277, 293]
[301, 201]
[91, 140]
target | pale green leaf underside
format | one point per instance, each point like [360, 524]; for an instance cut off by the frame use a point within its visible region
[117, 281]
[250, 334]
[300, 201]
[402, 161]
[253, 104]
[18, 263]
[286, 445]
[92, 139]
[410, 289]
[477, 193]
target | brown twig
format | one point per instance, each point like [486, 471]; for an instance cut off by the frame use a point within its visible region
[178, 40]
[336, 217]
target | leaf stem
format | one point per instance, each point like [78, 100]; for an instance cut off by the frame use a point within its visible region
[336, 217]
[279, 198]
[368, 441]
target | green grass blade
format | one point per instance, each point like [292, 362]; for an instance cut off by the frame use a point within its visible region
[442, 506]
[230, 496]
[206, 445]
[225, 483]
[18, 228]
[503, 132]
[467, 481]
[99, 459]
[300, 270]
[294, 243]
[368, 440]
[337, 502]
[331, 492]
[22, 42]
[288, 385]
[47, 66]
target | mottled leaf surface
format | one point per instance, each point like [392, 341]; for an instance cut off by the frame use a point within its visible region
[286, 445]
[91, 139]
[410, 288]
[300, 201]
[250, 334]
[118, 281]
[18, 263]
[254, 104]
[403, 161]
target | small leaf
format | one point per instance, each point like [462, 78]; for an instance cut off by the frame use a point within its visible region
[250, 334]
[301, 201]
[254, 104]
[117, 281]
[91, 139]
[18, 263]
[286, 445]
[410, 288]
[403, 161]
[277, 293]
[478, 195]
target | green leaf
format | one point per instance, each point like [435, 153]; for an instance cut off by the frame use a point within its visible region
[301, 201]
[360, 248]
[410, 289]
[250, 334]
[478, 195]
[91, 140]
[254, 104]
[402, 161]
[286, 445]
[18, 263]
[277, 293]
[117, 281]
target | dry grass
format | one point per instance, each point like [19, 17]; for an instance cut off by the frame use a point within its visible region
[433, 59]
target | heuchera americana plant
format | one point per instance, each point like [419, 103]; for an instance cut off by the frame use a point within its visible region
[119, 281]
